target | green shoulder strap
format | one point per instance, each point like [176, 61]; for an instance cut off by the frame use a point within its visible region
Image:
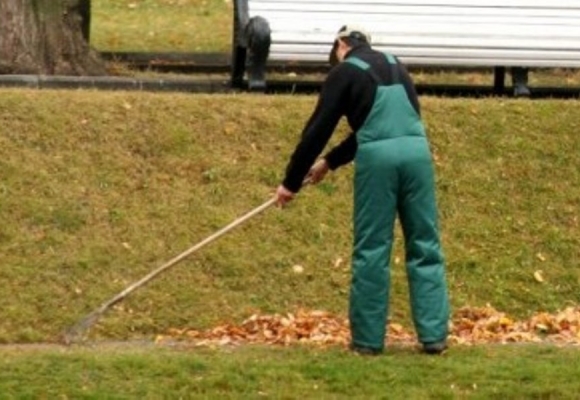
[358, 62]
[390, 58]
[366, 67]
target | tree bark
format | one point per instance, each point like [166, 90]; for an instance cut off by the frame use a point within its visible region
[46, 37]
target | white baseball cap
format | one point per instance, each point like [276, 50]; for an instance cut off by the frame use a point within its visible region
[348, 31]
[355, 32]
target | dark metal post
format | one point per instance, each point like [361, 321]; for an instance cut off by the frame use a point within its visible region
[499, 81]
[239, 43]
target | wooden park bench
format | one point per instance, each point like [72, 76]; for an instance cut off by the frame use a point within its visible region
[436, 33]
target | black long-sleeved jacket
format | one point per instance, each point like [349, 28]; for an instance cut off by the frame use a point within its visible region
[347, 91]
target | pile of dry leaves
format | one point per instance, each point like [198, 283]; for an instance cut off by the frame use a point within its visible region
[469, 326]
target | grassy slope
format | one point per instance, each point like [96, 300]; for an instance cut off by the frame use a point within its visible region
[94, 198]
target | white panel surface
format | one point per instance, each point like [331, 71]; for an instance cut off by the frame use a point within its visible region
[435, 32]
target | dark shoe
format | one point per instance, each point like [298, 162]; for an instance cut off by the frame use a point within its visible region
[435, 348]
[365, 351]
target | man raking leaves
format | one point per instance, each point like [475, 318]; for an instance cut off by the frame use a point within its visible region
[394, 174]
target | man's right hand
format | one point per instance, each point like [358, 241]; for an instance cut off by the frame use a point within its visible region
[283, 196]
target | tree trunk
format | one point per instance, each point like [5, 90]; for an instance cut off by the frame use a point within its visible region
[46, 37]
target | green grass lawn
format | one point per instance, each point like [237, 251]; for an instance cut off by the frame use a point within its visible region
[162, 25]
[94, 198]
[483, 372]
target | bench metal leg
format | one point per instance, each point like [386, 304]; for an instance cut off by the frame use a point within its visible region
[499, 81]
[239, 43]
[520, 81]
[238, 66]
[251, 47]
[258, 34]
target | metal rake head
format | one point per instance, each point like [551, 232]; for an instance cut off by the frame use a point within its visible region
[77, 332]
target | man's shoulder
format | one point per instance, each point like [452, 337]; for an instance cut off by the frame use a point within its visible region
[340, 78]
[344, 69]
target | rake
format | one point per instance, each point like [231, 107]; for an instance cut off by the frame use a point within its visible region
[73, 334]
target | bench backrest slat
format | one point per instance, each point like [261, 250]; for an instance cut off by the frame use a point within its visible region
[439, 32]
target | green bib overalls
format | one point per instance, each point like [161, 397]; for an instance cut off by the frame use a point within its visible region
[394, 175]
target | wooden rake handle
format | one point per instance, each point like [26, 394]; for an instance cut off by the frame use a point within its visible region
[186, 254]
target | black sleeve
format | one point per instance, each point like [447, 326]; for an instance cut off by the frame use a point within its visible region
[342, 153]
[319, 128]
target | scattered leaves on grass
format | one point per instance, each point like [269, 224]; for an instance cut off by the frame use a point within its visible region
[298, 269]
[469, 326]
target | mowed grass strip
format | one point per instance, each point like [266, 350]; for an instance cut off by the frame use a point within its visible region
[97, 189]
[146, 372]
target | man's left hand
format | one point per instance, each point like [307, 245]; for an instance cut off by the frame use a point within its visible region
[318, 171]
